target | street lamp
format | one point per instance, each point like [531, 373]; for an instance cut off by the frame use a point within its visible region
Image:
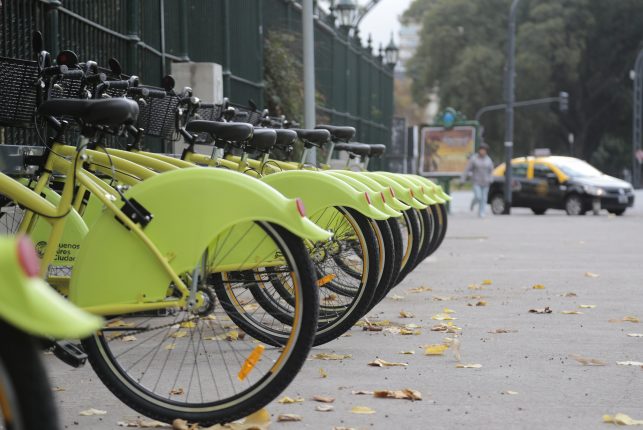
[392, 53]
[347, 11]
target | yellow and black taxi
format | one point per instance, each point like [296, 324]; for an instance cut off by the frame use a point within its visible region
[557, 182]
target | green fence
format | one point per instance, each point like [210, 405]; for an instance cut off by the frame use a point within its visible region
[148, 35]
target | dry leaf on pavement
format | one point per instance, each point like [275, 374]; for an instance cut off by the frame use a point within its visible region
[177, 392]
[587, 361]
[327, 356]
[545, 310]
[179, 424]
[475, 287]
[365, 410]
[538, 287]
[630, 363]
[571, 312]
[324, 408]
[509, 392]
[448, 327]
[362, 392]
[591, 275]
[420, 289]
[622, 420]
[587, 306]
[289, 418]
[143, 424]
[323, 373]
[635, 334]
[129, 338]
[324, 399]
[260, 420]
[404, 314]
[443, 317]
[91, 411]
[435, 349]
[631, 319]
[502, 330]
[570, 295]
[468, 366]
[487, 282]
[395, 297]
[405, 394]
[383, 363]
[288, 400]
[411, 352]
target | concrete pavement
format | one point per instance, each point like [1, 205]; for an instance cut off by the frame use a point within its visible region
[554, 391]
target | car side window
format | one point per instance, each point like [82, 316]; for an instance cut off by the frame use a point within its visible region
[519, 170]
[541, 171]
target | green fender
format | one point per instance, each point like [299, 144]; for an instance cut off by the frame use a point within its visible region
[378, 199]
[427, 188]
[191, 208]
[74, 232]
[439, 192]
[33, 306]
[403, 191]
[418, 189]
[319, 191]
[391, 200]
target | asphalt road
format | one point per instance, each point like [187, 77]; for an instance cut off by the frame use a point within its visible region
[550, 389]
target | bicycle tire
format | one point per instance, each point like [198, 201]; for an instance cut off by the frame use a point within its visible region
[409, 223]
[24, 383]
[391, 242]
[427, 231]
[281, 370]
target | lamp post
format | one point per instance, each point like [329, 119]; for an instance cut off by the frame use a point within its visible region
[391, 53]
[510, 72]
[346, 11]
[637, 121]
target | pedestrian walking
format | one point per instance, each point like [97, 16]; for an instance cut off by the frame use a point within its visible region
[479, 168]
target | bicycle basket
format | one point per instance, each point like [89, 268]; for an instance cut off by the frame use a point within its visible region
[158, 116]
[18, 93]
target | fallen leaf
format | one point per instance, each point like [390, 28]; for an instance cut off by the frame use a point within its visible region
[587, 361]
[179, 334]
[468, 366]
[538, 287]
[144, 424]
[259, 420]
[635, 334]
[420, 289]
[631, 319]
[327, 356]
[57, 389]
[408, 332]
[324, 408]
[571, 312]
[435, 349]
[481, 303]
[442, 298]
[502, 330]
[404, 314]
[367, 323]
[179, 424]
[90, 412]
[446, 327]
[406, 394]
[587, 306]
[289, 418]
[129, 338]
[395, 297]
[383, 363]
[509, 392]
[569, 295]
[361, 392]
[288, 400]
[443, 317]
[486, 282]
[407, 352]
[177, 392]
[475, 287]
[592, 275]
[188, 324]
[448, 311]
[622, 420]
[329, 298]
[540, 310]
[119, 323]
[630, 363]
[362, 410]
[372, 328]
[323, 373]
[324, 399]
[233, 335]
[170, 346]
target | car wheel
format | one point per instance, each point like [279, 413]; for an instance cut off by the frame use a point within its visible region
[497, 204]
[574, 205]
[539, 211]
[617, 212]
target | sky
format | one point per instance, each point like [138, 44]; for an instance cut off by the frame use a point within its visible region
[383, 19]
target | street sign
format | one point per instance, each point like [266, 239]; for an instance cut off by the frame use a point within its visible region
[445, 150]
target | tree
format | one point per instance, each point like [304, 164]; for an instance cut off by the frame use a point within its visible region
[584, 47]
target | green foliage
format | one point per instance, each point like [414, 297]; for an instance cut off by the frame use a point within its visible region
[283, 72]
[584, 47]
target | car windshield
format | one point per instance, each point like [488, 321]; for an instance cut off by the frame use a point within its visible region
[578, 168]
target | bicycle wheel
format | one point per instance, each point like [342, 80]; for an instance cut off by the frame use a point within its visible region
[427, 231]
[410, 228]
[389, 238]
[198, 364]
[26, 399]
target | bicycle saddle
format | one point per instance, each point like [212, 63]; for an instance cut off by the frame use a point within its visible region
[285, 138]
[360, 149]
[312, 137]
[377, 149]
[339, 133]
[263, 139]
[229, 131]
[108, 112]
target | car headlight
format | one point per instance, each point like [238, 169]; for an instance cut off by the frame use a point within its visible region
[593, 191]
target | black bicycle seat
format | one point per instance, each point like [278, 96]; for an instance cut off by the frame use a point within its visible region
[108, 112]
[360, 149]
[285, 137]
[312, 137]
[343, 133]
[377, 149]
[263, 139]
[229, 131]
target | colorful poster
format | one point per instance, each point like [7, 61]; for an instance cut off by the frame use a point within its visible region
[443, 150]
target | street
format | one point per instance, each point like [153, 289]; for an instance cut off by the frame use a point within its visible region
[534, 370]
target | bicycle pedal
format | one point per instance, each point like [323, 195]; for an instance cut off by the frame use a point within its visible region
[70, 353]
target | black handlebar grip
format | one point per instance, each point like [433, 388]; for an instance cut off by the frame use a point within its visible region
[117, 85]
[73, 74]
[156, 94]
[54, 70]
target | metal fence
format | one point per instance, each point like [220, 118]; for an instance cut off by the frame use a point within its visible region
[356, 88]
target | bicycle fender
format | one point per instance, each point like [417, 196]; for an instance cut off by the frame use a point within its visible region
[190, 209]
[426, 189]
[34, 307]
[403, 192]
[418, 189]
[388, 191]
[376, 192]
[319, 191]
[438, 190]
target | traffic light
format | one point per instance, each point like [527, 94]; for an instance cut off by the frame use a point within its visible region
[563, 101]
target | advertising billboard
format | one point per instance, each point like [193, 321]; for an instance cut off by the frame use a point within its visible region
[446, 150]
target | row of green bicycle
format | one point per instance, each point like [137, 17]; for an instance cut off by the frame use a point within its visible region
[215, 270]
